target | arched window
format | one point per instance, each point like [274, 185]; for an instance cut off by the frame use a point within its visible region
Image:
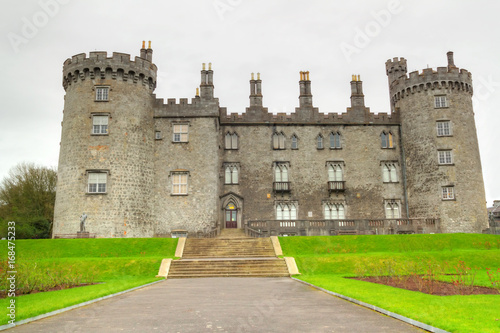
[335, 140]
[286, 211]
[278, 140]
[334, 211]
[281, 172]
[231, 141]
[231, 174]
[392, 209]
[389, 174]
[386, 138]
[319, 142]
[295, 142]
[335, 173]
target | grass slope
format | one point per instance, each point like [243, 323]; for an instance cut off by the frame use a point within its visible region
[325, 261]
[120, 264]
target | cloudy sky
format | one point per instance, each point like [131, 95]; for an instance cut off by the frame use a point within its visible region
[278, 38]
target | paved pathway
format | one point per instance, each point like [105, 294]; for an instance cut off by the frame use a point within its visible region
[220, 305]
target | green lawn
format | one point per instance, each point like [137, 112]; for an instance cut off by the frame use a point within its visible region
[117, 264]
[325, 261]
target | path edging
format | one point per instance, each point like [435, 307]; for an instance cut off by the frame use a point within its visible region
[55, 312]
[376, 308]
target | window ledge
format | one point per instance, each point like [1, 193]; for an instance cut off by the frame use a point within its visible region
[444, 136]
[180, 141]
[335, 148]
[448, 199]
[446, 164]
[389, 147]
[97, 134]
[96, 193]
[99, 100]
[320, 148]
[396, 182]
[179, 195]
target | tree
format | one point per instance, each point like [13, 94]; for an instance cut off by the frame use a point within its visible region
[27, 196]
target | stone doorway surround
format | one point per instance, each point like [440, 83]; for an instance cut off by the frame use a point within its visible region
[236, 200]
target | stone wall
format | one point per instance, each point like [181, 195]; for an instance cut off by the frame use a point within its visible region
[414, 97]
[140, 157]
[125, 210]
[199, 158]
[361, 155]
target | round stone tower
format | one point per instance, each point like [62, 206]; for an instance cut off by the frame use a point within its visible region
[105, 165]
[439, 141]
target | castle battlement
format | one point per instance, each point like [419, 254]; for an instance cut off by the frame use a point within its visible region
[118, 66]
[182, 109]
[401, 84]
[312, 117]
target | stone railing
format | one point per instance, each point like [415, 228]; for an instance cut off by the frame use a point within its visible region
[209, 234]
[336, 186]
[265, 228]
[253, 233]
[281, 186]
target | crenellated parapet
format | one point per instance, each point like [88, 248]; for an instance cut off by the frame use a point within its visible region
[117, 67]
[315, 117]
[184, 109]
[402, 84]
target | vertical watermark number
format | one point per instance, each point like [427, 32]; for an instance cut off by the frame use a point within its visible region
[11, 271]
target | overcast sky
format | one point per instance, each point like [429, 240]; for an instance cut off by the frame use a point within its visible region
[278, 38]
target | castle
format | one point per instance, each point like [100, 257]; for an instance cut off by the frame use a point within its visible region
[142, 167]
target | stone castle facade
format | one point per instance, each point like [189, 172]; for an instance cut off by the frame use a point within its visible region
[141, 167]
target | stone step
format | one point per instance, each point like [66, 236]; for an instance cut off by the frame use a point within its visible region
[182, 276]
[225, 268]
[231, 247]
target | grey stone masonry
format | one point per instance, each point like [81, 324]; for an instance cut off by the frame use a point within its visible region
[140, 166]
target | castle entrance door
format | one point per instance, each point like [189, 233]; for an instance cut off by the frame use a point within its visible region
[231, 216]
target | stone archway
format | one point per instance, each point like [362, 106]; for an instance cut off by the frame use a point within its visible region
[232, 211]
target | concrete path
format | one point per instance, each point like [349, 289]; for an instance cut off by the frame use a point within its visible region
[220, 305]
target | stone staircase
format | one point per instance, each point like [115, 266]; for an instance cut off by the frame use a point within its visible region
[228, 248]
[230, 255]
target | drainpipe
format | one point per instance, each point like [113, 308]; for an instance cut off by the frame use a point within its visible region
[403, 169]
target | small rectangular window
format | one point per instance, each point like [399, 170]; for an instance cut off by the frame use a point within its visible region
[100, 124]
[440, 102]
[448, 193]
[445, 157]
[158, 135]
[97, 182]
[180, 133]
[179, 183]
[101, 93]
[443, 128]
